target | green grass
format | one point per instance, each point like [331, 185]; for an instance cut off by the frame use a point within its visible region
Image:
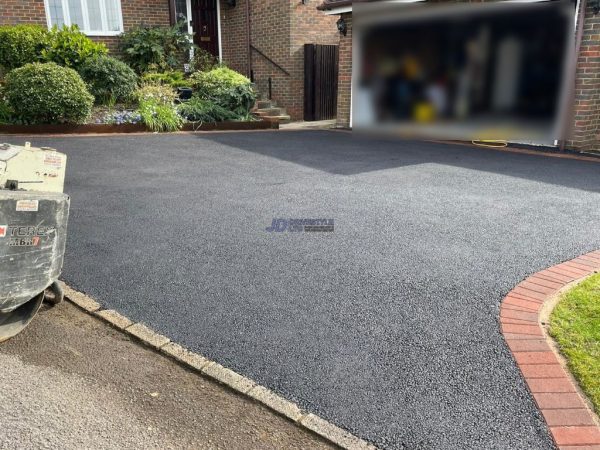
[575, 325]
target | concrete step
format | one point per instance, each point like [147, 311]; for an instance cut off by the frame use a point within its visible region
[265, 104]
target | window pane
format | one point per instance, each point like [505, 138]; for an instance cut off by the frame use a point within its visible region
[56, 13]
[94, 15]
[181, 12]
[76, 13]
[113, 21]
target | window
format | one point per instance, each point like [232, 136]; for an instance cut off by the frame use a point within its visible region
[94, 17]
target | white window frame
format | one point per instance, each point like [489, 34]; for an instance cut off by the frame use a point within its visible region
[86, 25]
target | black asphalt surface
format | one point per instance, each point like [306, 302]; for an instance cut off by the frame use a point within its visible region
[389, 325]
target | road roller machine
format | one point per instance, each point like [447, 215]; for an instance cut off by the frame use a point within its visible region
[33, 230]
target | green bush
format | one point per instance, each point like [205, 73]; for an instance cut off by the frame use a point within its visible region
[6, 112]
[156, 92]
[199, 110]
[21, 44]
[225, 87]
[47, 93]
[69, 47]
[108, 79]
[173, 78]
[217, 81]
[162, 48]
[203, 61]
[158, 116]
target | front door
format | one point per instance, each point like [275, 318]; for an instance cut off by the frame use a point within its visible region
[205, 25]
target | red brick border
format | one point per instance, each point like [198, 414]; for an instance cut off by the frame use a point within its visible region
[571, 422]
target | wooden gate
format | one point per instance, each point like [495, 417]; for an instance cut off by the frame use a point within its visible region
[320, 81]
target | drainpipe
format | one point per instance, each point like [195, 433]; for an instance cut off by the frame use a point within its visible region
[249, 49]
[573, 72]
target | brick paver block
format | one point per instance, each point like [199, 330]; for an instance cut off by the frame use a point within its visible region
[572, 424]
[568, 417]
[535, 358]
[559, 400]
[585, 435]
[550, 385]
[528, 345]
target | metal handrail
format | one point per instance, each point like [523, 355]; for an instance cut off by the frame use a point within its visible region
[270, 60]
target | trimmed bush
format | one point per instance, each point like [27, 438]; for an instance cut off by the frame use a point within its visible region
[217, 81]
[155, 48]
[69, 47]
[225, 87]
[47, 93]
[173, 78]
[21, 44]
[157, 92]
[108, 79]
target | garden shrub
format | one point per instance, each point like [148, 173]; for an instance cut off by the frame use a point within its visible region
[173, 78]
[157, 107]
[69, 47]
[158, 116]
[200, 110]
[203, 61]
[157, 92]
[217, 81]
[225, 87]
[21, 44]
[47, 93]
[108, 79]
[162, 48]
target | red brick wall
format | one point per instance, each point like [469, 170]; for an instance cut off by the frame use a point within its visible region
[135, 12]
[345, 75]
[279, 29]
[22, 11]
[586, 107]
[309, 26]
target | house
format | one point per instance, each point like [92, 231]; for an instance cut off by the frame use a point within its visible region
[263, 39]
[578, 95]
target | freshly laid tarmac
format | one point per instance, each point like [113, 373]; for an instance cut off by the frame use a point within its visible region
[387, 326]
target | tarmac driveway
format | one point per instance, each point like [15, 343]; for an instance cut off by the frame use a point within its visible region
[389, 325]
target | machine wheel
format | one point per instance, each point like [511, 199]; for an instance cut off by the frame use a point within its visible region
[12, 323]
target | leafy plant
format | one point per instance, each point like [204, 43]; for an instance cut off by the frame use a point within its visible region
[217, 81]
[225, 87]
[47, 93]
[161, 47]
[108, 79]
[159, 116]
[200, 110]
[173, 78]
[69, 47]
[21, 44]
[238, 99]
[156, 92]
[203, 61]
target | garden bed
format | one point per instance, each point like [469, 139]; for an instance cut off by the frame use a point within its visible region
[94, 128]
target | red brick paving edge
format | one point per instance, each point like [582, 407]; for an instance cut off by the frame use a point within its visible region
[572, 423]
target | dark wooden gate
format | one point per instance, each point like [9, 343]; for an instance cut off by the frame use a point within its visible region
[320, 81]
[205, 25]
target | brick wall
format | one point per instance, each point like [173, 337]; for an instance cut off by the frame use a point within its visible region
[586, 106]
[345, 75]
[135, 12]
[279, 29]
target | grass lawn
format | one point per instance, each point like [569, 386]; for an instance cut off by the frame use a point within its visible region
[575, 325]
